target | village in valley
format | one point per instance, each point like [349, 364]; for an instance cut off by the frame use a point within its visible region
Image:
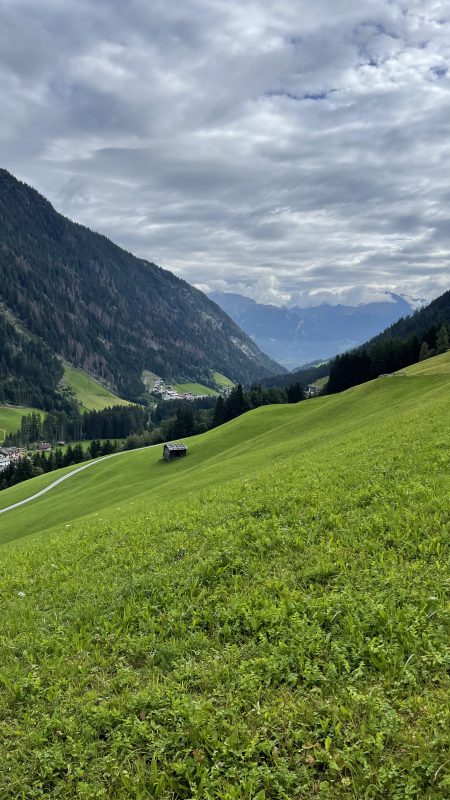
[9, 455]
[165, 391]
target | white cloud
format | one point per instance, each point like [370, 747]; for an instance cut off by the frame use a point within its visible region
[292, 151]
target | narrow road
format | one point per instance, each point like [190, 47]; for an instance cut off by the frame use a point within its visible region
[67, 476]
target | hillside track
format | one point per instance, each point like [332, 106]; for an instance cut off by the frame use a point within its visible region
[66, 477]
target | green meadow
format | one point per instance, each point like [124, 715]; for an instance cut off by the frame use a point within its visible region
[11, 417]
[222, 380]
[267, 618]
[90, 394]
[195, 388]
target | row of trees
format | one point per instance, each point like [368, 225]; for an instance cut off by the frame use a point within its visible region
[240, 401]
[441, 344]
[41, 463]
[384, 356]
[116, 422]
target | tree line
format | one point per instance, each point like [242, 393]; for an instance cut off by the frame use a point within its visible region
[240, 401]
[384, 356]
[40, 463]
[116, 422]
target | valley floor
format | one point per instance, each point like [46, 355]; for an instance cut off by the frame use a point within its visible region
[267, 618]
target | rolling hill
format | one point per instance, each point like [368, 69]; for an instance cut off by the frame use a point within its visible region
[74, 294]
[267, 618]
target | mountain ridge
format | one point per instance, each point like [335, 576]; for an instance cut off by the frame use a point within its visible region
[296, 336]
[104, 310]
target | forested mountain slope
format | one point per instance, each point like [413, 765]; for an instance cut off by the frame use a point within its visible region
[29, 371]
[105, 310]
[424, 322]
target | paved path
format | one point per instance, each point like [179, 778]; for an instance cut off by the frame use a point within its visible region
[66, 477]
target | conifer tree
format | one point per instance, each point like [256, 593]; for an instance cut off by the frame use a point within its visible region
[219, 412]
[442, 343]
[424, 351]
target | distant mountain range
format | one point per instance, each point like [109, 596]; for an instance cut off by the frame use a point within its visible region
[69, 293]
[296, 336]
[396, 347]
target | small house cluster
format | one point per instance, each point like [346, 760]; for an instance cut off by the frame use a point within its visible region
[312, 390]
[167, 392]
[8, 455]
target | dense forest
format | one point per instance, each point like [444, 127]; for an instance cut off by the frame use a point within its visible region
[29, 372]
[105, 310]
[384, 356]
[422, 323]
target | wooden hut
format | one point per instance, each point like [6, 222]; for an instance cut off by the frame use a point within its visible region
[172, 451]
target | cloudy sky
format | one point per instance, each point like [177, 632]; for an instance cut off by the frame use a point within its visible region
[294, 151]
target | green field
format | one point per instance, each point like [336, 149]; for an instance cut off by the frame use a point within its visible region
[320, 382]
[195, 388]
[266, 619]
[11, 417]
[90, 394]
[221, 380]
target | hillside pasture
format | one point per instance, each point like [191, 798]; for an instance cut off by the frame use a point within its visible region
[11, 417]
[195, 388]
[90, 394]
[266, 619]
[221, 380]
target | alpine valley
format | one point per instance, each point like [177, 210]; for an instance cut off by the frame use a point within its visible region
[68, 293]
[295, 336]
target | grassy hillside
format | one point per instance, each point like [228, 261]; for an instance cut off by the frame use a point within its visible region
[11, 417]
[195, 388]
[267, 618]
[222, 380]
[89, 393]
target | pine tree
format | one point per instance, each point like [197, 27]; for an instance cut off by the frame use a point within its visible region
[424, 351]
[295, 393]
[68, 458]
[219, 412]
[78, 454]
[442, 343]
[94, 448]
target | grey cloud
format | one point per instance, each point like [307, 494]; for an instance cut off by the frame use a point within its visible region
[297, 150]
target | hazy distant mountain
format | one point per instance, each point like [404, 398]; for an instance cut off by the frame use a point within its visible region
[295, 336]
[68, 292]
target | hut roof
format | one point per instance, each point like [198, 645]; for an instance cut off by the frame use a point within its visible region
[175, 446]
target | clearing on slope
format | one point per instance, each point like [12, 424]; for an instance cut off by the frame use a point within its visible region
[90, 394]
[11, 417]
[195, 388]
